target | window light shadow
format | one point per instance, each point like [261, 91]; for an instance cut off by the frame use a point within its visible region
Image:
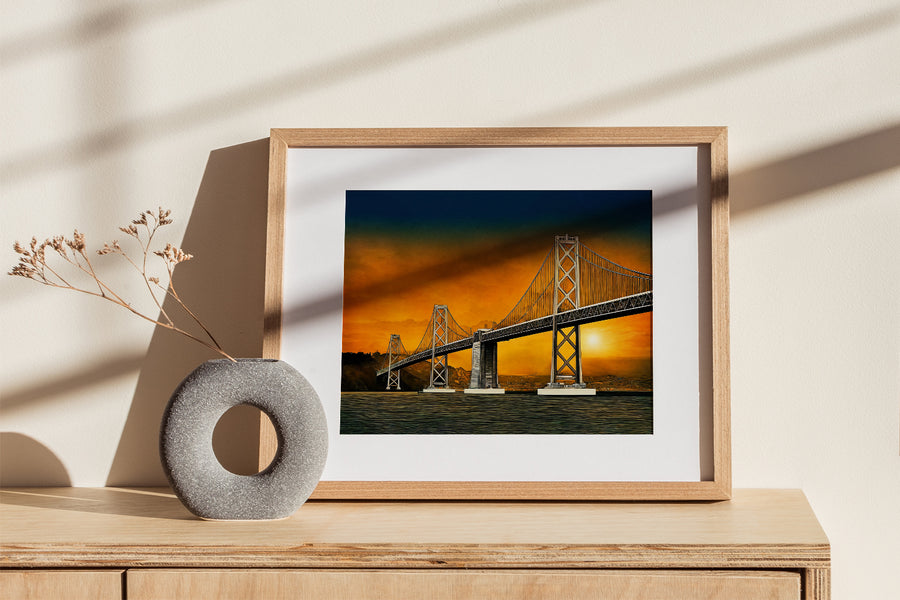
[226, 232]
[132, 502]
[363, 62]
[793, 176]
[126, 15]
[85, 377]
[470, 262]
[607, 102]
[358, 63]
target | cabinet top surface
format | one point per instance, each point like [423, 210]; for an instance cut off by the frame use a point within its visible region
[151, 521]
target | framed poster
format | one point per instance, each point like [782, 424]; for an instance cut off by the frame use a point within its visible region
[507, 313]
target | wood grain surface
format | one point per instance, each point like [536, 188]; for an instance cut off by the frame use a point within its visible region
[71, 585]
[462, 585]
[112, 527]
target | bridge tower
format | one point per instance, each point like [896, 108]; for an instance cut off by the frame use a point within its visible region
[483, 379]
[395, 349]
[440, 329]
[566, 376]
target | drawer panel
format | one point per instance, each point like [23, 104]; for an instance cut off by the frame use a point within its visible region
[72, 585]
[183, 584]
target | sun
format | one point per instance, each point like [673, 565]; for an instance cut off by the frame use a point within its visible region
[593, 341]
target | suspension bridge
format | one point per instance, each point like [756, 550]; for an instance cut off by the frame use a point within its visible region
[573, 286]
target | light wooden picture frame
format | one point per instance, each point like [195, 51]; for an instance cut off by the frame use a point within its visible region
[684, 169]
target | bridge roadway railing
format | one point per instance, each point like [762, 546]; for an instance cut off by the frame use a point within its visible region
[602, 311]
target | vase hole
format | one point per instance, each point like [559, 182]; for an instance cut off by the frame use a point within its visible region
[236, 440]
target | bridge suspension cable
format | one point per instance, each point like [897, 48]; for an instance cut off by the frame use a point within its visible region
[537, 301]
[395, 352]
[603, 280]
[450, 331]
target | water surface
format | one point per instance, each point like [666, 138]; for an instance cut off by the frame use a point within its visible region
[512, 413]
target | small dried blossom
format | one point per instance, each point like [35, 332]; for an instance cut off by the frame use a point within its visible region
[77, 242]
[130, 230]
[31, 261]
[58, 243]
[37, 250]
[112, 247]
[163, 217]
[33, 265]
[173, 255]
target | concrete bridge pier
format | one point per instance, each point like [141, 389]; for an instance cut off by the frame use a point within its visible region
[484, 379]
[440, 376]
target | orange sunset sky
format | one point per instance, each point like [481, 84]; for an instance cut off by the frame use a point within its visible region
[477, 252]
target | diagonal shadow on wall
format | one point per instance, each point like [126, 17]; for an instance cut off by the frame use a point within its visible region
[361, 62]
[793, 176]
[778, 181]
[223, 285]
[718, 70]
[226, 232]
[126, 132]
[86, 30]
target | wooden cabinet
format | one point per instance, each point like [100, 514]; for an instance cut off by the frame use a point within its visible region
[460, 584]
[144, 544]
[72, 585]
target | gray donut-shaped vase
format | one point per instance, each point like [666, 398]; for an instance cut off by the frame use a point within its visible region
[205, 487]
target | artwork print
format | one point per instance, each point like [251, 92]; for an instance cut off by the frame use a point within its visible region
[497, 312]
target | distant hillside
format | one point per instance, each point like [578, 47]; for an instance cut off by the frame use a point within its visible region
[358, 374]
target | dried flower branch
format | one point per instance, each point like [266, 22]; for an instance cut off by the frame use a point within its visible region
[33, 264]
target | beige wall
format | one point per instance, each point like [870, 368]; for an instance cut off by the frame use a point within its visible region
[113, 107]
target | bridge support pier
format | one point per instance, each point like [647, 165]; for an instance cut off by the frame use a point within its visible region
[566, 377]
[484, 379]
[440, 376]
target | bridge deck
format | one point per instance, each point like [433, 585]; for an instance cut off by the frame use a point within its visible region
[602, 311]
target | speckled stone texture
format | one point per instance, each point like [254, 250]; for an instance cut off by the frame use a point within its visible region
[205, 487]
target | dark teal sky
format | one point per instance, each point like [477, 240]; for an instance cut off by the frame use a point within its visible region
[479, 213]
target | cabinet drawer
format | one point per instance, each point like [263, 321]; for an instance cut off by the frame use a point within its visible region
[183, 584]
[72, 585]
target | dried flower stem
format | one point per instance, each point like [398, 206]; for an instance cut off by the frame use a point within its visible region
[33, 265]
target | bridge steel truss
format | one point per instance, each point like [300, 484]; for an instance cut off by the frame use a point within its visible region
[565, 364]
[395, 352]
[440, 376]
